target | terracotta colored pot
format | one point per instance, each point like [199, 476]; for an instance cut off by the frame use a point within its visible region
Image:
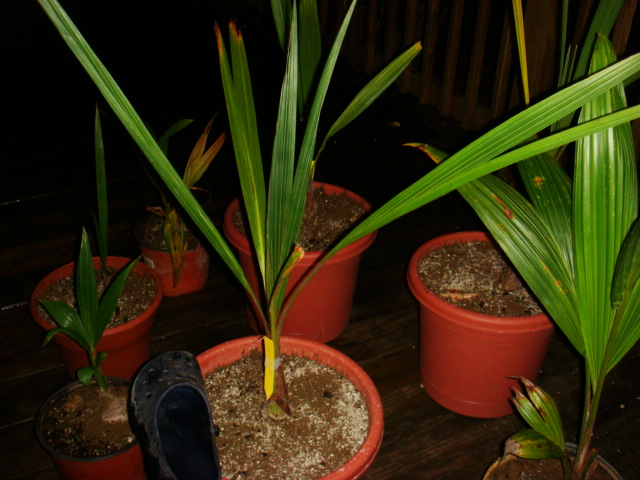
[127, 346]
[321, 310]
[229, 352]
[570, 448]
[125, 464]
[467, 359]
[195, 268]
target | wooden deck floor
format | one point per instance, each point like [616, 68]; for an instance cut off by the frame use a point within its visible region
[422, 440]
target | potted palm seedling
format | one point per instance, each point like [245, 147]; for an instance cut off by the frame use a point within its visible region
[321, 311]
[500, 147]
[575, 242]
[128, 334]
[84, 426]
[168, 246]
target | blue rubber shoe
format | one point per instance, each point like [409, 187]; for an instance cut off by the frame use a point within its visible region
[172, 419]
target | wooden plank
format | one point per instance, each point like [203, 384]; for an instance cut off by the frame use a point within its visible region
[453, 47]
[622, 28]
[371, 34]
[501, 79]
[430, 35]
[391, 29]
[410, 27]
[475, 68]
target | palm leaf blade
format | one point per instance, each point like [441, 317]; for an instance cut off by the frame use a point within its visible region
[604, 178]
[136, 128]
[372, 90]
[525, 239]
[110, 299]
[282, 225]
[549, 189]
[310, 47]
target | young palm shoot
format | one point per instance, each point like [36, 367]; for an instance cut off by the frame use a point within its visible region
[173, 228]
[87, 324]
[101, 219]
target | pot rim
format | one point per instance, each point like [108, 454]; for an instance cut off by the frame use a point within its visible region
[55, 453]
[430, 300]
[331, 357]
[242, 243]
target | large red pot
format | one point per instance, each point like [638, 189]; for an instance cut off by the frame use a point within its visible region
[233, 350]
[195, 268]
[468, 359]
[321, 310]
[125, 464]
[127, 346]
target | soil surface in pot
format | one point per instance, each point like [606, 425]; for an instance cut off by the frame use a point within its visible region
[323, 225]
[476, 276]
[89, 422]
[137, 295]
[548, 469]
[328, 425]
[149, 233]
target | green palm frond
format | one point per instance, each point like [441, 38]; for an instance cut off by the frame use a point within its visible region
[605, 205]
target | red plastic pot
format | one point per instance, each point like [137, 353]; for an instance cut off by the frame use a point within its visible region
[125, 464]
[127, 346]
[193, 276]
[227, 353]
[468, 359]
[321, 310]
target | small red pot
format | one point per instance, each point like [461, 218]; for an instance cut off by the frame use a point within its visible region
[321, 310]
[195, 269]
[227, 353]
[125, 464]
[127, 346]
[468, 359]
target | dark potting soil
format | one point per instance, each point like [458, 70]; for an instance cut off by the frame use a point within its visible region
[149, 232]
[137, 295]
[549, 469]
[89, 422]
[329, 421]
[476, 276]
[332, 216]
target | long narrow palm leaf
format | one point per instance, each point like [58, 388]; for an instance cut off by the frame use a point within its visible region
[371, 91]
[138, 131]
[303, 168]
[85, 279]
[282, 231]
[281, 10]
[603, 20]
[310, 50]
[101, 219]
[626, 296]
[236, 82]
[487, 153]
[605, 205]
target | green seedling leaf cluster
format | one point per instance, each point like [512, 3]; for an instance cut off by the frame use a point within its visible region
[87, 324]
